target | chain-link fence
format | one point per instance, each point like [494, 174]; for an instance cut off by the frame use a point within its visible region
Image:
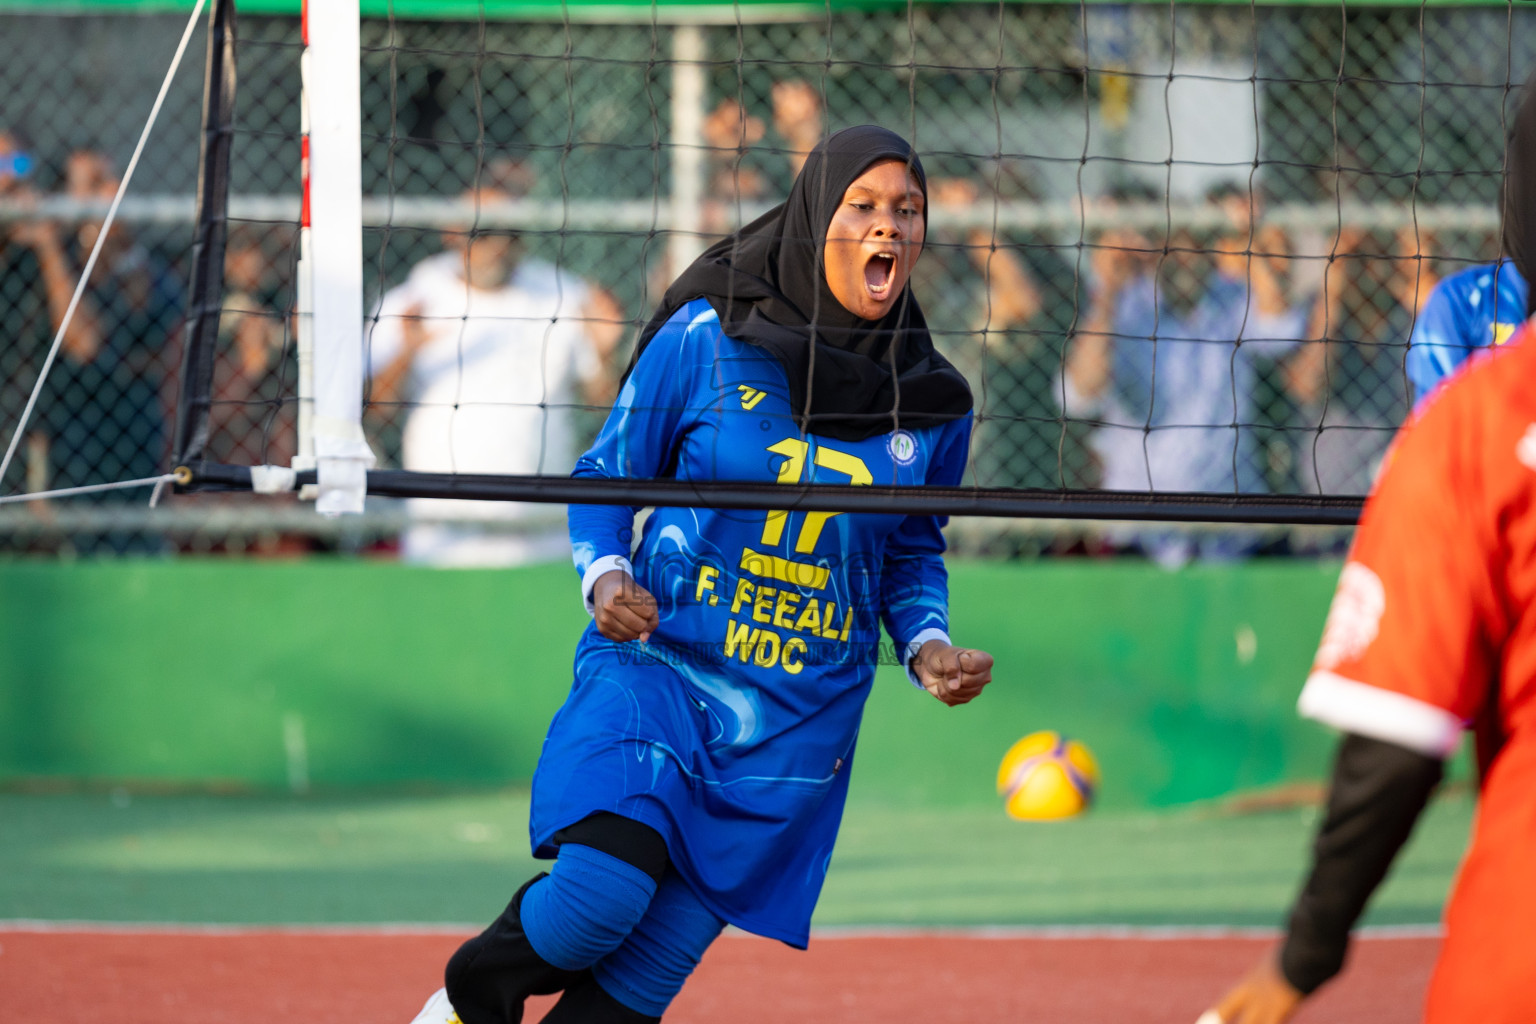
[1172, 247]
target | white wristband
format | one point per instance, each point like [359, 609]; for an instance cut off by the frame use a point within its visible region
[597, 570]
[916, 644]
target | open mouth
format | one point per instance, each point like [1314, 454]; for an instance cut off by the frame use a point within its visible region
[879, 271]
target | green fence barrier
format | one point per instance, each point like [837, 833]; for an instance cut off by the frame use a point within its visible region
[345, 674]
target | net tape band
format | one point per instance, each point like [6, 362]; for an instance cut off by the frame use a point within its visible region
[1283, 509]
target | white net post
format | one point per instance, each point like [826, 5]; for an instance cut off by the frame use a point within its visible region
[334, 253]
[688, 156]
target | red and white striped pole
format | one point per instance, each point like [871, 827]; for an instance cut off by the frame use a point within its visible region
[305, 285]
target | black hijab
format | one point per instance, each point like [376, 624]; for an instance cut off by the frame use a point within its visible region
[849, 378]
[1520, 192]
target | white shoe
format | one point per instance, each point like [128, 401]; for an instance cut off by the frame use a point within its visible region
[438, 1010]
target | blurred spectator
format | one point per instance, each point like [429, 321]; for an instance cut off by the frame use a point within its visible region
[798, 120]
[25, 314]
[735, 177]
[139, 300]
[15, 162]
[253, 420]
[730, 132]
[1006, 295]
[99, 417]
[1241, 241]
[1350, 388]
[491, 355]
[743, 176]
[1167, 360]
[999, 310]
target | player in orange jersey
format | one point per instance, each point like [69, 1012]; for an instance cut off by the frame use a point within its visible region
[1432, 630]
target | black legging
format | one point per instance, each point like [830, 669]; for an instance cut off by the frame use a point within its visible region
[492, 975]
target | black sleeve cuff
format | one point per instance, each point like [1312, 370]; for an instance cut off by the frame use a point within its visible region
[1378, 791]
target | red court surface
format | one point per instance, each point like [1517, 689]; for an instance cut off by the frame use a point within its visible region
[57, 976]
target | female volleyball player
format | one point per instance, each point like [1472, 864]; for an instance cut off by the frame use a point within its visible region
[696, 774]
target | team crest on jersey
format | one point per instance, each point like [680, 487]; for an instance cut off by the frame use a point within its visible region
[1525, 448]
[1354, 618]
[903, 448]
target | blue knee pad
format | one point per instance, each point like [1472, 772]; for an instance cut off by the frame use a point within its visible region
[586, 907]
[648, 970]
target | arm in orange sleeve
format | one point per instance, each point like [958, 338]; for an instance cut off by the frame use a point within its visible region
[1401, 666]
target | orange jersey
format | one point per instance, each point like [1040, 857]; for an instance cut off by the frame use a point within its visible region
[1432, 631]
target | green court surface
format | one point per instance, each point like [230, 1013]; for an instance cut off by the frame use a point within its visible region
[116, 856]
[362, 680]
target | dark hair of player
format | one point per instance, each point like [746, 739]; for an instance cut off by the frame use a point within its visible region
[1520, 190]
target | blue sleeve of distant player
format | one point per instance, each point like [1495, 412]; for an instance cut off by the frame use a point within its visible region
[638, 441]
[914, 586]
[1439, 341]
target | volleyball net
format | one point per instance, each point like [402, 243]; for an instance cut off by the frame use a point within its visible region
[1178, 250]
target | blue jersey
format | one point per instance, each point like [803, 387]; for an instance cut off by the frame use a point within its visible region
[1481, 307]
[731, 731]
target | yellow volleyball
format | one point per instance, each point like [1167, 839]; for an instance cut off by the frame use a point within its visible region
[1047, 775]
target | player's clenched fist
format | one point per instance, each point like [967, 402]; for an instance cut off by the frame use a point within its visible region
[955, 675]
[623, 609]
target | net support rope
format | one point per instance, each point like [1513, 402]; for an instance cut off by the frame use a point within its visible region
[101, 238]
[156, 482]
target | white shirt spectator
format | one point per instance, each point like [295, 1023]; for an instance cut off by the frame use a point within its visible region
[492, 389]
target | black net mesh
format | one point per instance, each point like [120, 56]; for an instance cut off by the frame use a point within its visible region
[1173, 247]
